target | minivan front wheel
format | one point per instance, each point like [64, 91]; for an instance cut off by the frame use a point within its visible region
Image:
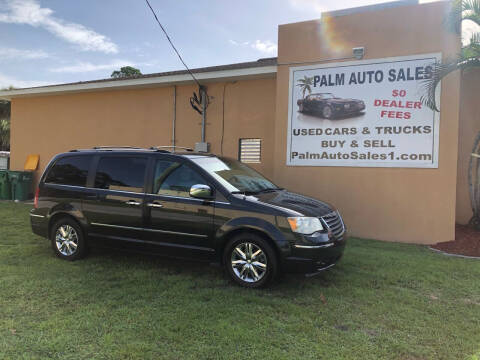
[250, 260]
[67, 239]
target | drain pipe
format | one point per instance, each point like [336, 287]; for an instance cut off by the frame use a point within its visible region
[203, 96]
[203, 146]
[174, 114]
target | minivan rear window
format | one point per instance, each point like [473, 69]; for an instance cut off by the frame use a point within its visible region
[122, 173]
[71, 170]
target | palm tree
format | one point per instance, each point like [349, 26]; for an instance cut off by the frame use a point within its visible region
[4, 125]
[305, 85]
[468, 58]
[4, 134]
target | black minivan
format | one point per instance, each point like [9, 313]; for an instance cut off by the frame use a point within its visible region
[186, 205]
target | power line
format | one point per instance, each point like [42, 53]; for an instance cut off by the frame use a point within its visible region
[171, 43]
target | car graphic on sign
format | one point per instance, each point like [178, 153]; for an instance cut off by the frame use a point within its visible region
[328, 106]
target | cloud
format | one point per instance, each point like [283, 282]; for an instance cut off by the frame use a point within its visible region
[31, 13]
[6, 81]
[18, 54]
[307, 5]
[266, 47]
[82, 67]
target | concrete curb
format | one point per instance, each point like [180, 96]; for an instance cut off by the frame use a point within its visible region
[454, 255]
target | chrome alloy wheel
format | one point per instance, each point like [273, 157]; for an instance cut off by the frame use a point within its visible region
[249, 262]
[66, 240]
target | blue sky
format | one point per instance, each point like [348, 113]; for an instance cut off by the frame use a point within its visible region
[57, 41]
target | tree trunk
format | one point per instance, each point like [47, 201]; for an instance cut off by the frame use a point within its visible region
[474, 182]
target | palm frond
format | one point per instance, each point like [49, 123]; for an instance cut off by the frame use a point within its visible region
[440, 71]
[462, 10]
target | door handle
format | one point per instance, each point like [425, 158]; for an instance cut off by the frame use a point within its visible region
[132, 202]
[154, 204]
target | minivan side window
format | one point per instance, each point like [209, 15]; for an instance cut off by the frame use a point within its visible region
[174, 178]
[122, 173]
[70, 170]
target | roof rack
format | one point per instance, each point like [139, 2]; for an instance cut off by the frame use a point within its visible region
[117, 147]
[171, 147]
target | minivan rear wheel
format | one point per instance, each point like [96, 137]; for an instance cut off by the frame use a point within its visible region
[67, 239]
[250, 260]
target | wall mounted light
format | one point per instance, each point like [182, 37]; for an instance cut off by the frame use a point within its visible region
[358, 52]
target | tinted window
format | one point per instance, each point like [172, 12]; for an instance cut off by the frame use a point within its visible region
[121, 173]
[174, 178]
[71, 170]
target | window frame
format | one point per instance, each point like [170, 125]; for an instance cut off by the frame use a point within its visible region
[189, 164]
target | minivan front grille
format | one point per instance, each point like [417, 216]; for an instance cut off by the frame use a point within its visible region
[335, 224]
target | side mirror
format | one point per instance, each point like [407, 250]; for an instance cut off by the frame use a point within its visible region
[200, 191]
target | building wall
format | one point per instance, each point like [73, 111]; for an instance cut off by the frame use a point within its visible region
[48, 125]
[469, 128]
[394, 204]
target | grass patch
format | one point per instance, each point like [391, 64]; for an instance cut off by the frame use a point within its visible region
[383, 301]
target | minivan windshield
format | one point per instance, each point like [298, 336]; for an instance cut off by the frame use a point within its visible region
[235, 176]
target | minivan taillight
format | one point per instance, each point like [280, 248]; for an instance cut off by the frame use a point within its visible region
[35, 200]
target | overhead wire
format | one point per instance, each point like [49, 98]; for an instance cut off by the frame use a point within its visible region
[171, 43]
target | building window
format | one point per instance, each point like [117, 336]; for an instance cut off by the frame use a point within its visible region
[249, 150]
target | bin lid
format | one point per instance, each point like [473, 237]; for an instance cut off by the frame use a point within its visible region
[32, 162]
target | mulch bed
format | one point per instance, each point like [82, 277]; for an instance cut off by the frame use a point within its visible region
[467, 242]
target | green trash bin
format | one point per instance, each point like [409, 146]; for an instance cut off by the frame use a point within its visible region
[5, 191]
[21, 184]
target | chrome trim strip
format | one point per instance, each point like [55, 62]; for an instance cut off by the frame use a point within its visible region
[175, 233]
[117, 226]
[158, 243]
[189, 198]
[92, 188]
[314, 246]
[176, 197]
[135, 193]
[68, 186]
[39, 216]
[145, 229]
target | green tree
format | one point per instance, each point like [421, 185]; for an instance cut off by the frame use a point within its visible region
[126, 71]
[467, 60]
[4, 134]
[5, 123]
[305, 85]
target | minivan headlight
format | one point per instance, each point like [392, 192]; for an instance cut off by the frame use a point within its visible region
[305, 225]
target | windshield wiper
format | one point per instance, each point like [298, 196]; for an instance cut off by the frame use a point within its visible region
[245, 192]
[249, 192]
[269, 190]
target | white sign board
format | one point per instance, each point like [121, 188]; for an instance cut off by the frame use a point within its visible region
[363, 113]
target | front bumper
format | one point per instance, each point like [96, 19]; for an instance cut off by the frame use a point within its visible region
[312, 259]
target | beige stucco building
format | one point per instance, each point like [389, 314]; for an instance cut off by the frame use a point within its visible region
[250, 100]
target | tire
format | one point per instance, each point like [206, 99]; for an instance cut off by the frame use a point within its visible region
[248, 272]
[68, 241]
[327, 112]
